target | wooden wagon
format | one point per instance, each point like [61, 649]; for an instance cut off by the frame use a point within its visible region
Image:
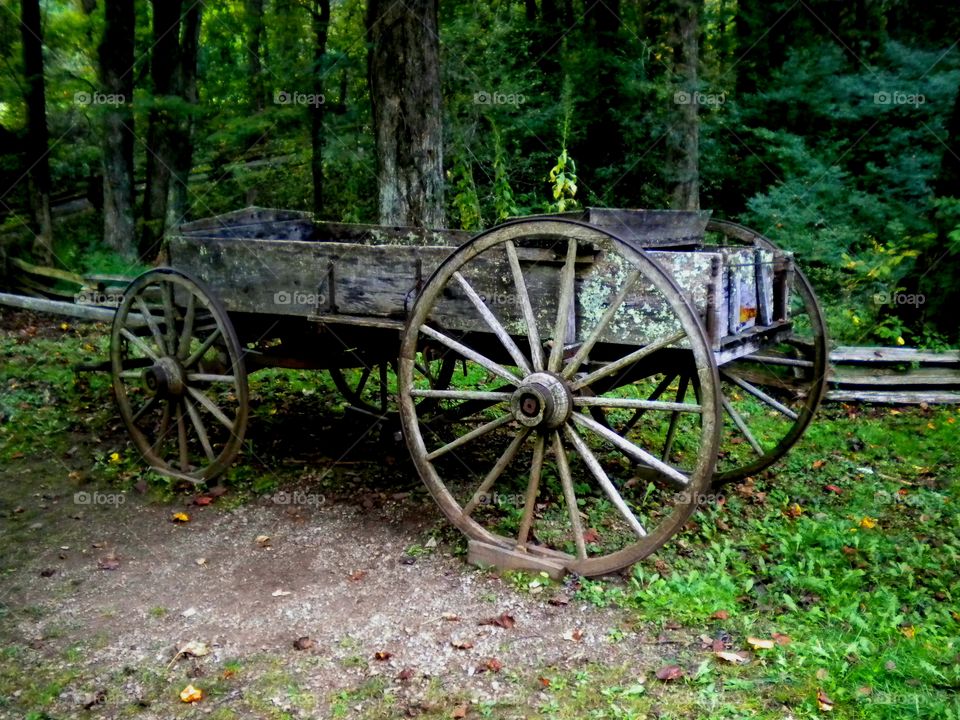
[569, 387]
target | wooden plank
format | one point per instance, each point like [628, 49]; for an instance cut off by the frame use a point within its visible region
[893, 355]
[866, 375]
[47, 272]
[247, 215]
[652, 228]
[941, 397]
[57, 307]
[487, 555]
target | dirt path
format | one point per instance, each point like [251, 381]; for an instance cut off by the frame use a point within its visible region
[358, 579]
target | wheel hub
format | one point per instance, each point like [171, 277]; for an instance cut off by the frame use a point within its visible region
[164, 377]
[542, 400]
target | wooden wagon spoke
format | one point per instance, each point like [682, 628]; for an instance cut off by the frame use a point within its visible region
[523, 297]
[533, 489]
[639, 412]
[200, 430]
[493, 397]
[598, 472]
[569, 495]
[567, 291]
[741, 425]
[491, 320]
[211, 378]
[186, 333]
[760, 395]
[634, 452]
[148, 405]
[139, 344]
[635, 403]
[496, 471]
[182, 440]
[584, 350]
[494, 367]
[164, 422]
[626, 361]
[674, 418]
[152, 324]
[470, 436]
[169, 319]
[211, 407]
[202, 350]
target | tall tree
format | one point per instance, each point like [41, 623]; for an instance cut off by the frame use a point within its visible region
[37, 145]
[173, 71]
[683, 149]
[403, 68]
[255, 49]
[320, 13]
[116, 74]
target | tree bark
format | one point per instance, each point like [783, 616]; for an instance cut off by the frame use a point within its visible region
[683, 153]
[116, 53]
[321, 29]
[403, 66]
[37, 144]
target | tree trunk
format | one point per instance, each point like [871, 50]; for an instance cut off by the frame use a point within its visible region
[37, 143]
[321, 28]
[683, 152]
[116, 54]
[186, 87]
[404, 81]
[173, 69]
[255, 47]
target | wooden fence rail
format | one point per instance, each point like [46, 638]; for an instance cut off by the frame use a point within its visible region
[894, 375]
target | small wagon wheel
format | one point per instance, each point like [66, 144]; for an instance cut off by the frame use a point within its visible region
[770, 396]
[373, 389]
[537, 310]
[179, 376]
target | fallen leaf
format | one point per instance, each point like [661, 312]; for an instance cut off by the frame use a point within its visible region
[303, 643]
[720, 615]
[793, 511]
[460, 711]
[591, 536]
[262, 540]
[760, 644]
[194, 648]
[909, 631]
[734, 658]
[111, 562]
[823, 702]
[280, 593]
[504, 620]
[201, 561]
[405, 674]
[357, 576]
[817, 464]
[461, 644]
[781, 639]
[190, 694]
[833, 489]
[180, 517]
[573, 635]
[669, 673]
[96, 698]
[545, 682]
[202, 500]
[718, 645]
[450, 617]
[559, 600]
[868, 522]
[382, 655]
[491, 665]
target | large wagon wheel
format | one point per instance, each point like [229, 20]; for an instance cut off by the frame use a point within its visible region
[771, 396]
[179, 376]
[372, 389]
[530, 475]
